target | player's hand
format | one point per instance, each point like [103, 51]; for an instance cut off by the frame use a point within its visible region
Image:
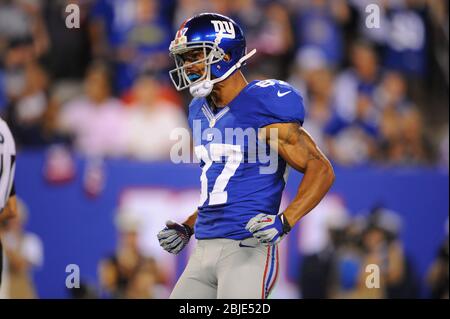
[268, 229]
[174, 237]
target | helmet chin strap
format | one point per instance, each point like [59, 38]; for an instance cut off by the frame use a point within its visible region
[204, 88]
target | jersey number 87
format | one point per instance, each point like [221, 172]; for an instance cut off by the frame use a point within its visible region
[233, 155]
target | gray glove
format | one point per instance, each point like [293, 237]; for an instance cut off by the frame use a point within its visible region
[174, 237]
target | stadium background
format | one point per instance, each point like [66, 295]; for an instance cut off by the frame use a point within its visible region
[91, 109]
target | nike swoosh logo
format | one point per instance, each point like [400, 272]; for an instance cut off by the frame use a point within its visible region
[242, 245]
[283, 94]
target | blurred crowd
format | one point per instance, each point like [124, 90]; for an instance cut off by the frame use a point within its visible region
[346, 255]
[372, 94]
[127, 272]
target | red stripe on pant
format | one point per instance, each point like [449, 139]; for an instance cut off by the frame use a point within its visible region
[263, 295]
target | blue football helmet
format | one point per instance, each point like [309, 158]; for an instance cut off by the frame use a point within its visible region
[217, 36]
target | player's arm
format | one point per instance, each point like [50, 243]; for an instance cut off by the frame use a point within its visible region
[190, 221]
[300, 151]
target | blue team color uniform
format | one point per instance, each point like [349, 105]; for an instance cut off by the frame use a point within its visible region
[233, 188]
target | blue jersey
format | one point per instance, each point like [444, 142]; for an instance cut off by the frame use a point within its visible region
[234, 185]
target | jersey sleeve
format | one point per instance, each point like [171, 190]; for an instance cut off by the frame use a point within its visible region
[279, 103]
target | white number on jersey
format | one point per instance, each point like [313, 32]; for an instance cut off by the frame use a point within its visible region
[233, 156]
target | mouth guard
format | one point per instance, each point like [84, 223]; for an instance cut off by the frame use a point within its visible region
[193, 77]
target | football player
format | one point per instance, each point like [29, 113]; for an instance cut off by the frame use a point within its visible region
[237, 224]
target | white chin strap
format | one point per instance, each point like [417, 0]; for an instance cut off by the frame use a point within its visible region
[204, 88]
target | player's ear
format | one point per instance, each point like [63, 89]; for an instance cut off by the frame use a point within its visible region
[227, 57]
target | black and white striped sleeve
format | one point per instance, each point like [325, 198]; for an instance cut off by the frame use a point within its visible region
[7, 164]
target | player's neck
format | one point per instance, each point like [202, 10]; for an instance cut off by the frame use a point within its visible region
[224, 92]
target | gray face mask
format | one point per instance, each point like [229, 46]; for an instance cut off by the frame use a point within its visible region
[211, 55]
[200, 86]
[204, 84]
